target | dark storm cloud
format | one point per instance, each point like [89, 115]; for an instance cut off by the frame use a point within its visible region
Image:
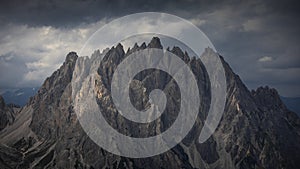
[70, 12]
[258, 38]
[73, 12]
[247, 33]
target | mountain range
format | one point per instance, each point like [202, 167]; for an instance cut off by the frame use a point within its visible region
[19, 96]
[257, 130]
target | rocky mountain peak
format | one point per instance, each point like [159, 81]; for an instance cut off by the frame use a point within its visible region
[71, 57]
[119, 47]
[178, 52]
[265, 90]
[208, 51]
[155, 43]
[268, 97]
[7, 113]
[248, 136]
[143, 45]
[136, 47]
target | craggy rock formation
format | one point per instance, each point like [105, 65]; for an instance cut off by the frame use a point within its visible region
[256, 130]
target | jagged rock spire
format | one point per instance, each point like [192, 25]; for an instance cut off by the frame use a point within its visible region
[155, 43]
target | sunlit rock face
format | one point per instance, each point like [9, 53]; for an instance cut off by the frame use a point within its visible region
[256, 130]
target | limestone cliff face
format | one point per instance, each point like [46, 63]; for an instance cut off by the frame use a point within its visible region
[256, 131]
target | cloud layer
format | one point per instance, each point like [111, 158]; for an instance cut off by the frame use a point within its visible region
[29, 54]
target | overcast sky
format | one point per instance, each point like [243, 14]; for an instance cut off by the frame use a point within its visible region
[259, 38]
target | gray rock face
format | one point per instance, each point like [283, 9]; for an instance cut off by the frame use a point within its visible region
[7, 113]
[256, 131]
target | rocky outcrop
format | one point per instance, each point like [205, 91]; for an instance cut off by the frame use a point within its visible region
[256, 131]
[7, 113]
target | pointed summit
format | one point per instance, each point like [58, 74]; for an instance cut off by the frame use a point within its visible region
[254, 132]
[267, 97]
[209, 50]
[71, 57]
[177, 51]
[119, 46]
[135, 48]
[155, 43]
